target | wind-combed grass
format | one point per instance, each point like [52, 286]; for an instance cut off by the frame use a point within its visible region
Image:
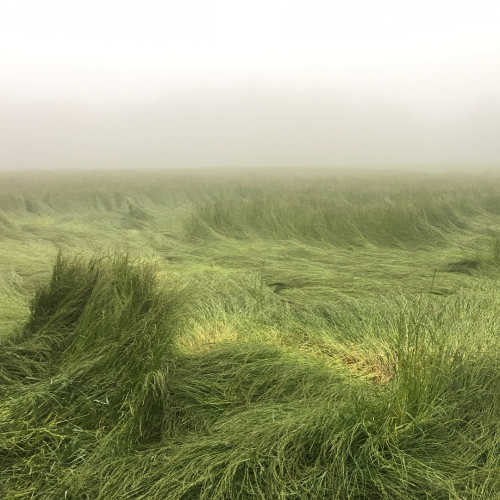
[274, 335]
[99, 401]
[93, 357]
[332, 219]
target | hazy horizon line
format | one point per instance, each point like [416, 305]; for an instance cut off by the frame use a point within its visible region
[244, 127]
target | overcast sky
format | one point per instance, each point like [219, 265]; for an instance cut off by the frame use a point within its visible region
[270, 82]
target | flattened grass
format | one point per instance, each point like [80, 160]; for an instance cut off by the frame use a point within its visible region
[326, 335]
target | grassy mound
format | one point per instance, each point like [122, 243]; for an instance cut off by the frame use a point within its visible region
[90, 365]
[100, 400]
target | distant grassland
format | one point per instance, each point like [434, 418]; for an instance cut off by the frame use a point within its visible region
[281, 334]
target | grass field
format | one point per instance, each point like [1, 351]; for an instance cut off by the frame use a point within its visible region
[280, 334]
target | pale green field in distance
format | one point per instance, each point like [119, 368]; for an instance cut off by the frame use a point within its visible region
[281, 334]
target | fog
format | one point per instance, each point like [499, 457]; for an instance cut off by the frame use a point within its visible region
[243, 126]
[108, 84]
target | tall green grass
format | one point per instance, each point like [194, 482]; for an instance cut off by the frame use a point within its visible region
[96, 347]
[289, 215]
[100, 399]
[275, 335]
[340, 208]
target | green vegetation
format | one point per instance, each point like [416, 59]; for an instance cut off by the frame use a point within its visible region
[304, 334]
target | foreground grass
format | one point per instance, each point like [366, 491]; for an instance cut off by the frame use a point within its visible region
[332, 336]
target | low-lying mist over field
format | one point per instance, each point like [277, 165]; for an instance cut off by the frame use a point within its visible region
[249, 250]
[244, 126]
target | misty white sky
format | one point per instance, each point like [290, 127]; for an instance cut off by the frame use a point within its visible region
[434, 60]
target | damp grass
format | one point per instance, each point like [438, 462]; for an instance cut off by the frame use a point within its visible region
[222, 335]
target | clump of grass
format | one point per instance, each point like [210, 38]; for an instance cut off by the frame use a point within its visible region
[293, 214]
[94, 355]
[48, 331]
